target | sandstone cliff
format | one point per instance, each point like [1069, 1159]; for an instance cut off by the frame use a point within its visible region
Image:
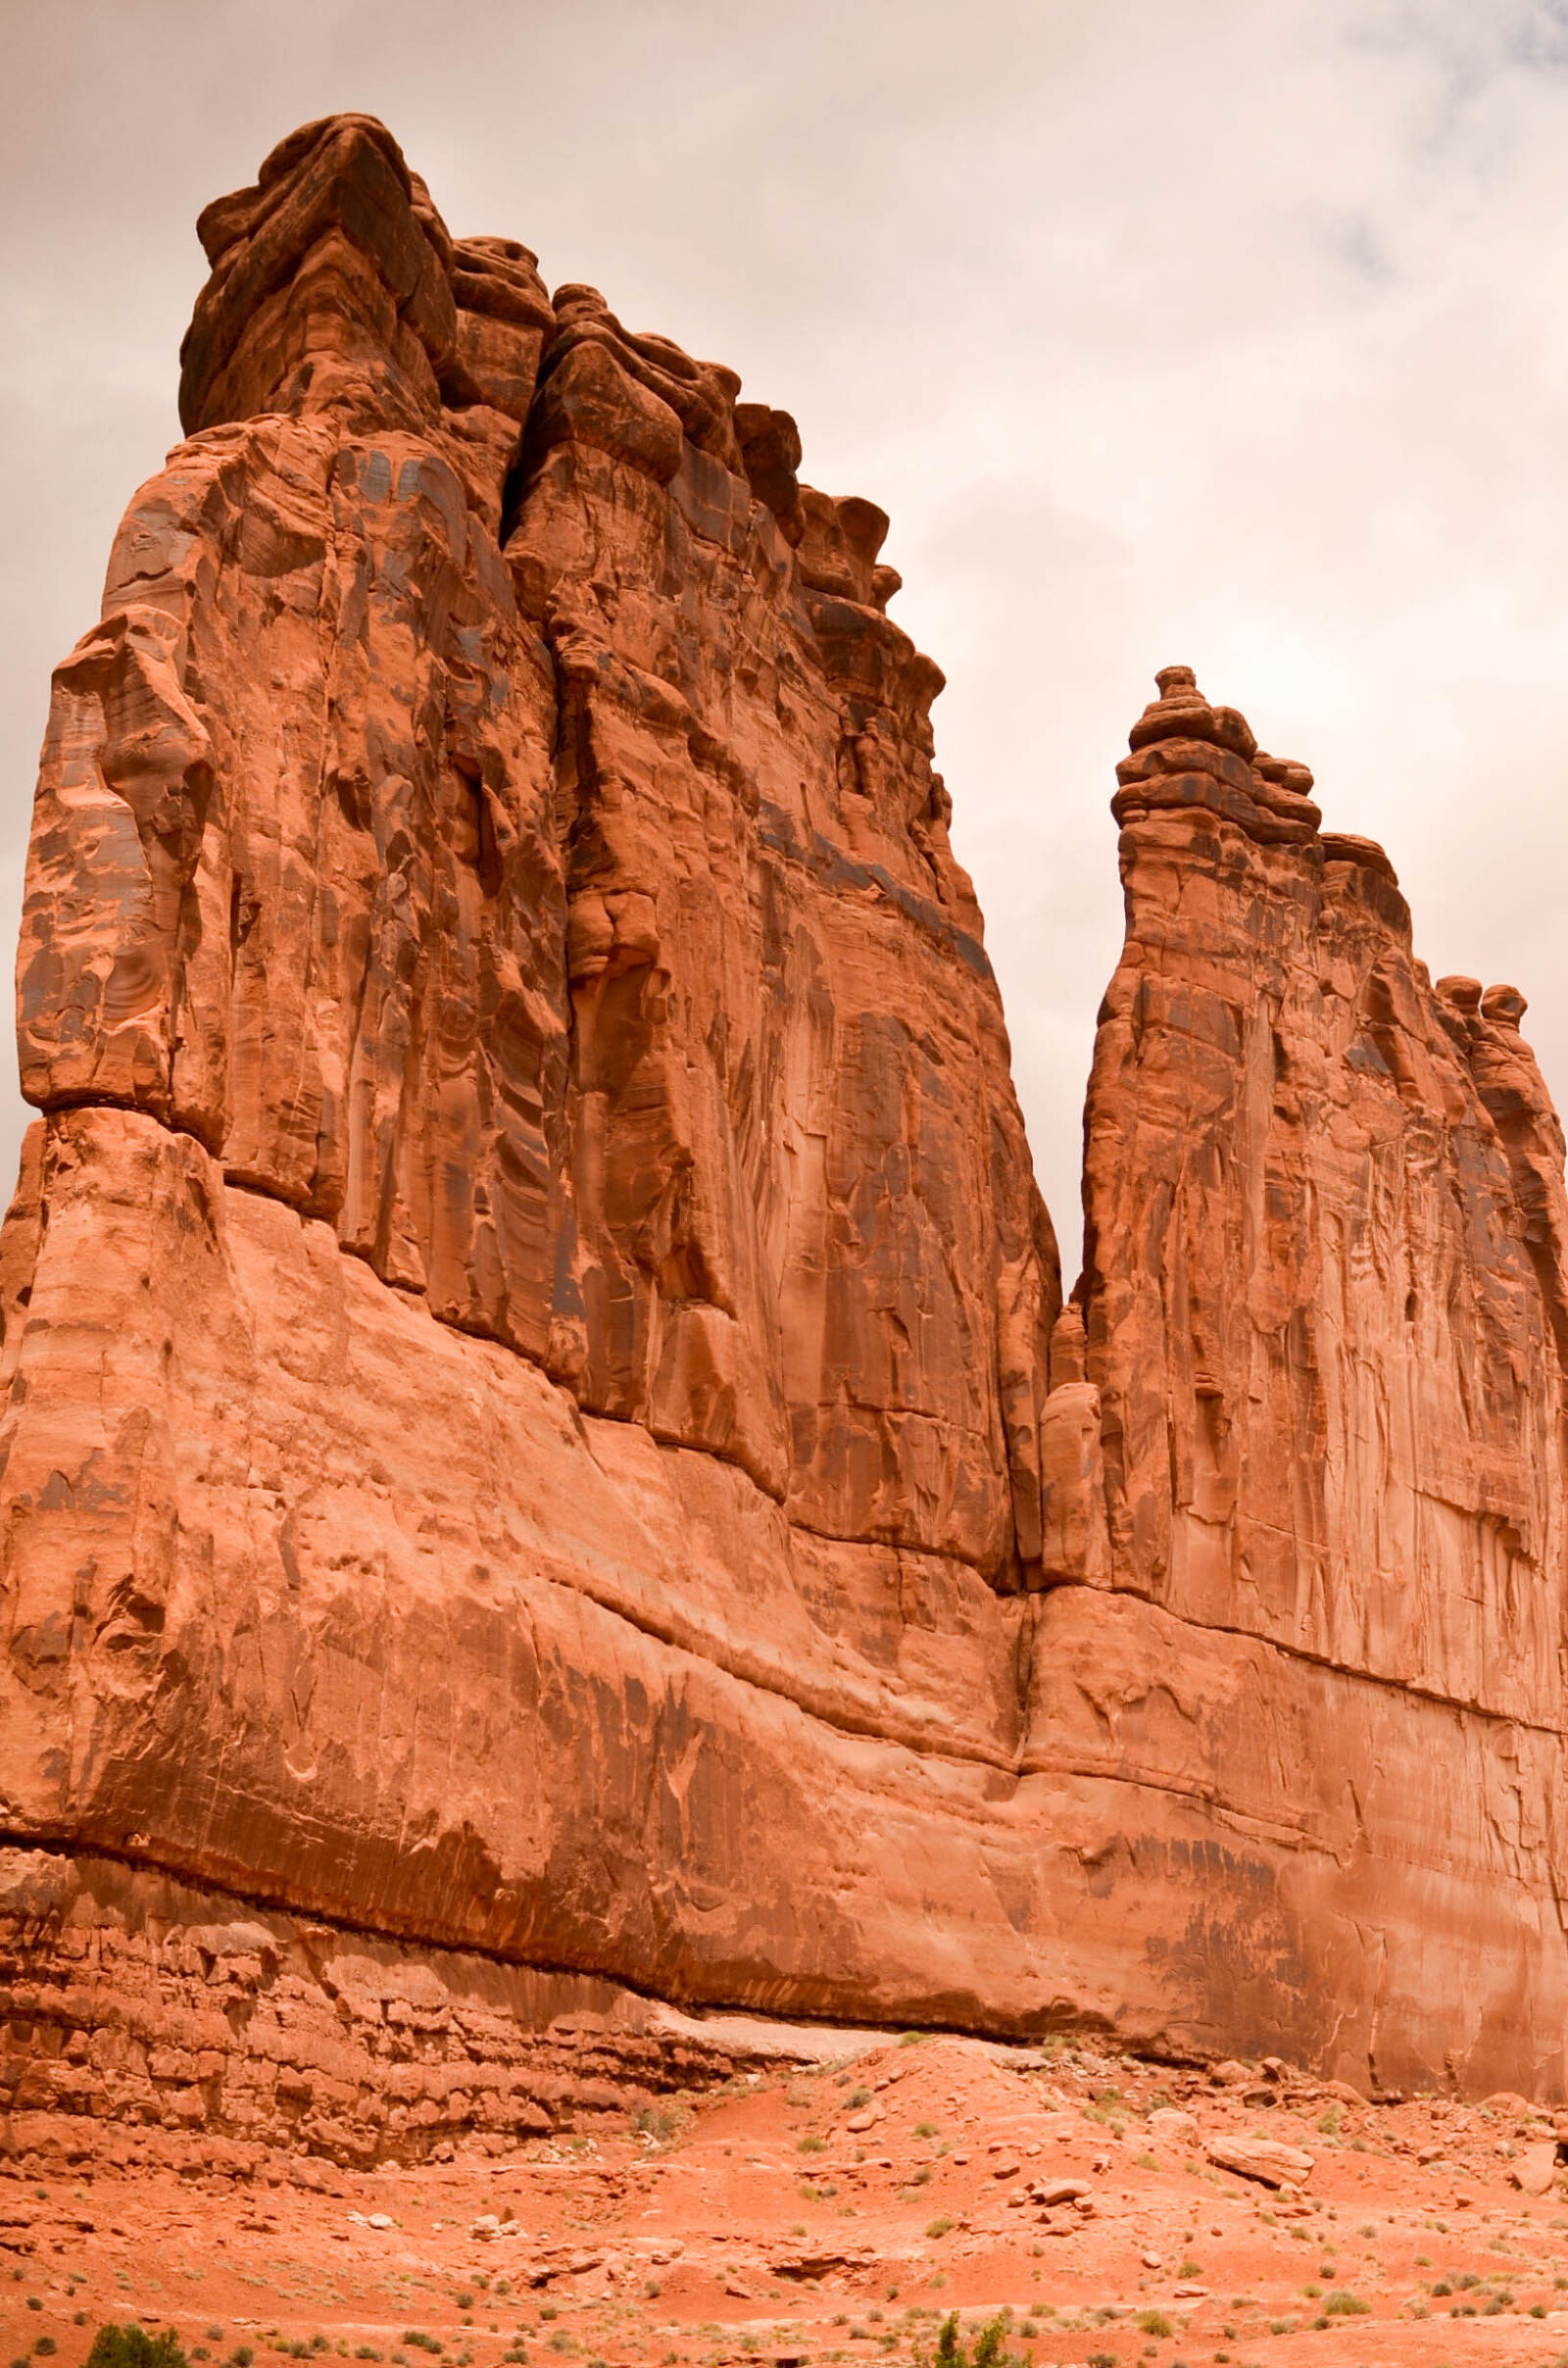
[539, 1415]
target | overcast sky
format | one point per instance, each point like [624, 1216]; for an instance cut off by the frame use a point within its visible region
[1232, 332]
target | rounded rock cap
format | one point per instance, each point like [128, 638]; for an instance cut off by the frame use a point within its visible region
[1182, 713]
[1503, 1005]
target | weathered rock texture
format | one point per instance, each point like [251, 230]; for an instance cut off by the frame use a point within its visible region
[151, 2025]
[528, 1328]
[1327, 1250]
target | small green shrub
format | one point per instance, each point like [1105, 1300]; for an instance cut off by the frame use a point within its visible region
[1155, 2322]
[990, 2344]
[937, 2227]
[115, 2347]
[1346, 2306]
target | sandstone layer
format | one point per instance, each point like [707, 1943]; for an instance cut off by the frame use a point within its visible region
[540, 1420]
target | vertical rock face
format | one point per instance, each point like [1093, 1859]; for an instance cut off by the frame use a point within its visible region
[1326, 1240]
[492, 833]
[539, 1415]
[571, 926]
[1326, 1248]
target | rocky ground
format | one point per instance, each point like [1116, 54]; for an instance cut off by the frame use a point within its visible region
[1115, 2211]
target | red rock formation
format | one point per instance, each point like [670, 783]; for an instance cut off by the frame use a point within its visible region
[492, 835]
[570, 932]
[1327, 1243]
[574, 930]
[1326, 1214]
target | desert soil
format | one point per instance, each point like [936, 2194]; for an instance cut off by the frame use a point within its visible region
[836, 2211]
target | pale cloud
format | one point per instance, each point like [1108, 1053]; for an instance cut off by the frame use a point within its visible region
[1217, 330]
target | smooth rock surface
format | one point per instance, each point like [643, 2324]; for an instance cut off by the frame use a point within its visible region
[1269, 2160]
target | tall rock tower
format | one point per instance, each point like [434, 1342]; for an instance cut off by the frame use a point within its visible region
[543, 1461]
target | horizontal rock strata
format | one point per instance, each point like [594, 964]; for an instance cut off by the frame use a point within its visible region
[154, 2027]
[539, 1419]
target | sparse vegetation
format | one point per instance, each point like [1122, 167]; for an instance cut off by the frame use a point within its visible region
[663, 2124]
[990, 2346]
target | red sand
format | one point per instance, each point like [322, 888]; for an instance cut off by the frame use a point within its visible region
[756, 2221]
